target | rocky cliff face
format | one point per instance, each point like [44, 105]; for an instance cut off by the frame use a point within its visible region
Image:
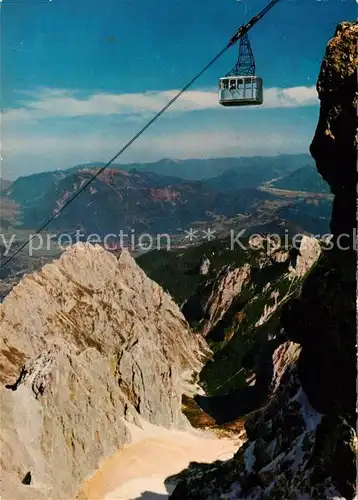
[302, 443]
[238, 310]
[88, 343]
[329, 294]
[227, 288]
[228, 284]
[334, 146]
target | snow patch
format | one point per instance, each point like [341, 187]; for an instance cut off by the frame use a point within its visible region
[311, 417]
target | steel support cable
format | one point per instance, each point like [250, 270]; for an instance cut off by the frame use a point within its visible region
[240, 32]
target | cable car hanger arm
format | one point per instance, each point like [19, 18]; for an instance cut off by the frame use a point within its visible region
[246, 27]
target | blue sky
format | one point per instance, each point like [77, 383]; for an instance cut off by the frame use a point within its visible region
[79, 77]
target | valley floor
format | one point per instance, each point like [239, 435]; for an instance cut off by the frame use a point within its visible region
[141, 468]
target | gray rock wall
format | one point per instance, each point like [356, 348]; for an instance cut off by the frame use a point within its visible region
[88, 343]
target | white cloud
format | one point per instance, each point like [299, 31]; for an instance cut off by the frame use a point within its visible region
[62, 103]
[40, 135]
[292, 97]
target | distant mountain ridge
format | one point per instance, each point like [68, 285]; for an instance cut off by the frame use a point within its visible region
[147, 197]
[121, 200]
[202, 168]
[303, 179]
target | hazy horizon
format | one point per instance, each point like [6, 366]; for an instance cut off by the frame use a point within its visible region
[173, 160]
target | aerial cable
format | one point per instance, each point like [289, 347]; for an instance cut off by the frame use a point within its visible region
[240, 32]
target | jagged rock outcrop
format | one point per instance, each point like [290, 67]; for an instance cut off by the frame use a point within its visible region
[334, 146]
[241, 309]
[88, 343]
[289, 455]
[228, 285]
[268, 260]
[329, 294]
[302, 444]
[308, 254]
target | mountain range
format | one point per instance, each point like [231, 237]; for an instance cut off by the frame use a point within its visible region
[253, 170]
[127, 197]
[302, 179]
[120, 200]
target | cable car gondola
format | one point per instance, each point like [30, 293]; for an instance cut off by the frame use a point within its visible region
[241, 87]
